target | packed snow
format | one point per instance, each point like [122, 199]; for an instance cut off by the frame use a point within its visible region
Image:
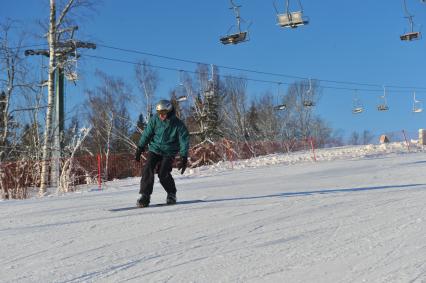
[356, 214]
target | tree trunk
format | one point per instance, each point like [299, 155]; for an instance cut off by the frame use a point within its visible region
[50, 100]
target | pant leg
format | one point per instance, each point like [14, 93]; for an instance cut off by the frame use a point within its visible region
[147, 180]
[165, 176]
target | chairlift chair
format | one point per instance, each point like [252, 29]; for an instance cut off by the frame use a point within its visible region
[308, 102]
[181, 89]
[234, 38]
[357, 110]
[357, 105]
[209, 90]
[181, 98]
[383, 106]
[280, 107]
[412, 35]
[239, 36]
[417, 105]
[290, 19]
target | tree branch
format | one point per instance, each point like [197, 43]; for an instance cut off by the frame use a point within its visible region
[64, 13]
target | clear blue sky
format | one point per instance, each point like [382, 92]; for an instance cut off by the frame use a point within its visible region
[345, 41]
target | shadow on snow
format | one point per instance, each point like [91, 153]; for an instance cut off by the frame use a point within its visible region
[316, 192]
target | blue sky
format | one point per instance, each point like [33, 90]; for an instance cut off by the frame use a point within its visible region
[345, 41]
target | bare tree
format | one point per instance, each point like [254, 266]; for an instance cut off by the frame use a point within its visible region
[13, 71]
[336, 138]
[106, 109]
[321, 132]
[147, 80]
[68, 177]
[367, 137]
[12, 75]
[354, 138]
[301, 99]
[235, 108]
[47, 140]
[268, 121]
[253, 116]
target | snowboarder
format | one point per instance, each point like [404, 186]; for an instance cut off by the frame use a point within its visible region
[165, 135]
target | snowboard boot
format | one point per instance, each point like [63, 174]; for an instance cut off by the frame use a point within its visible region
[143, 201]
[171, 199]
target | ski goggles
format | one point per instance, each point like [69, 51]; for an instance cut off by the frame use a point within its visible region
[162, 112]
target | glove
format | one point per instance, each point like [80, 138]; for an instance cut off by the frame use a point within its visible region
[138, 153]
[183, 163]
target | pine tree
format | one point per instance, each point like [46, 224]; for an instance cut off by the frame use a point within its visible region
[30, 142]
[140, 126]
[206, 113]
[253, 121]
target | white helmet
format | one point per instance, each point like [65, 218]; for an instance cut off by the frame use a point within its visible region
[164, 106]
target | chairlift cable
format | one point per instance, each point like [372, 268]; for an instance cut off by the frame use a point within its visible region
[247, 78]
[256, 71]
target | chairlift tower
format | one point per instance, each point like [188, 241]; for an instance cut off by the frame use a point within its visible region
[64, 50]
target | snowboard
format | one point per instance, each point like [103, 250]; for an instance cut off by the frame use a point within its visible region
[136, 207]
[153, 205]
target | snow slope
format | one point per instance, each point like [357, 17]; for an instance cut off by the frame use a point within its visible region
[358, 214]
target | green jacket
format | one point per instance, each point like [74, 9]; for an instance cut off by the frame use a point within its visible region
[166, 137]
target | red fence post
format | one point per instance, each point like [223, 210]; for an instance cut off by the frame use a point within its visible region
[99, 172]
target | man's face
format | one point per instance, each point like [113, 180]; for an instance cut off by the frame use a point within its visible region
[162, 115]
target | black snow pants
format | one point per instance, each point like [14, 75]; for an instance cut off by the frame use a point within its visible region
[164, 164]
